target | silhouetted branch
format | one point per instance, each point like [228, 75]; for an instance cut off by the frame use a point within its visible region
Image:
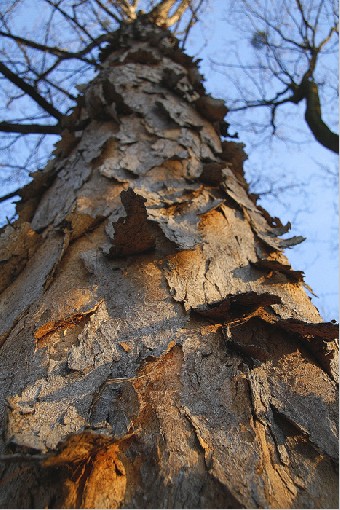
[287, 53]
[29, 90]
[28, 129]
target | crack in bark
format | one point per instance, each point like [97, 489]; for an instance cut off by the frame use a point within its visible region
[207, 451]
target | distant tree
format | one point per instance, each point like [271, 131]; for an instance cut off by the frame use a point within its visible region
[295, 45]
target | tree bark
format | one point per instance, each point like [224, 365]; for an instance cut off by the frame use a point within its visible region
[158, 351]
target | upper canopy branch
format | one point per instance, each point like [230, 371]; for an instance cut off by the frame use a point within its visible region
[160, 14]
[290, 40]
[313, 116]
[307, 90]
[30, 91]
[58, 52]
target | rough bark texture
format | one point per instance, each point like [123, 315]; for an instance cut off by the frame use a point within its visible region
[158, 351]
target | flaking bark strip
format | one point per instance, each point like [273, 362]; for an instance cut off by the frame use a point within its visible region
[66, 144]
[320, 339]
[272, 267]
[326, 331]
[65, 235]
[266, 412]
[83, 459]
[212, 173]
[68, 322]
[279, 415]
[234, 154]
[250, 355]
[81, 224]
[76, 121]
[266, 234]
[236, 306]
[69, 451]
[34, 278]
[104, 101]
[281, 421]
[317, 338]
[140, 56]
[59, 200]
[88, 463]
[211, 108]
[148, 366]
[177, 81]
[260, 224]
[274, 221]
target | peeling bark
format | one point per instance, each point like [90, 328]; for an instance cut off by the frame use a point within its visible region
[157, 348]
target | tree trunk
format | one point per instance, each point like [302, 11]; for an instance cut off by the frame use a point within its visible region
[158, 351]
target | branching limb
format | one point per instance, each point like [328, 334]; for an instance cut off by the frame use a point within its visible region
[313, 117]
[291, 39]
[31, 91]
[107, 11]
[71, 19]
[160, 13]
[8, 196]
[58, 52]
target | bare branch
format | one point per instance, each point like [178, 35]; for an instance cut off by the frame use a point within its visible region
[63, 54]
[108, 11]
[160, 13]
[29, 129]
[8, 196]
[31, 91]
[183, 6]
[293, 35]
[313, 117]
[72, 20]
